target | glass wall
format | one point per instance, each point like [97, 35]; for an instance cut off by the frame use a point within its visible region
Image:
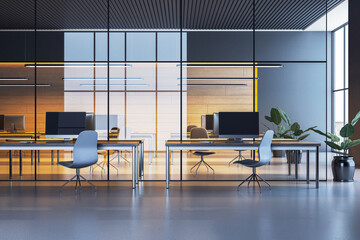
[340, 78]
[153, 84]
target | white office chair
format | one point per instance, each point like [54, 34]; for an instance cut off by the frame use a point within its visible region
[265, 156]
[85, 155]
[201, 133]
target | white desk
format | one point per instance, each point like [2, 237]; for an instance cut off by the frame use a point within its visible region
[212, 144]
[135, 146]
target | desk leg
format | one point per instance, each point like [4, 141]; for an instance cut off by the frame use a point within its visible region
[307, 166]
[32, 157]
[52, 157]
[38, 156]
[296, 165]
[167, 168]
[137, 165]
[10, 164]
[172, 157]
[133, 168]
[317, 167]
[289, 162]
[58, 156]
[20, 162]
[142, 158]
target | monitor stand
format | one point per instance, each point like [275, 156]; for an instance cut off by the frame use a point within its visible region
[235, 140]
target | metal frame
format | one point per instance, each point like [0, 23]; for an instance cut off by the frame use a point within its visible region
[136, 149]
[180, 30]
[241, 146]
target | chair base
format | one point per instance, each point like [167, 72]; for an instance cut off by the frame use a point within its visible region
[254, 177]
[202, 162]
[237, 158]
[78, 176]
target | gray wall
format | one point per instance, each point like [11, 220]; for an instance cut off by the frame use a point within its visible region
[298, 88]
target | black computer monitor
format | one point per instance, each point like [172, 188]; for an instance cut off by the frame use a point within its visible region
[207, 122]
[238, 125]
[65, 124]
[90, 121]
[2, 127]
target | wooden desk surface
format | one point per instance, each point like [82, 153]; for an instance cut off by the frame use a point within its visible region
[245, 143]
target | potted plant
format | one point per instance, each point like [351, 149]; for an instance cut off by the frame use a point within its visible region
[290, 131]
[275, 119]
[343, 165]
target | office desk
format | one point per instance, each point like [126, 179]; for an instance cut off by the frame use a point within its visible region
[210, 144]
[18, 135]
[135, 146]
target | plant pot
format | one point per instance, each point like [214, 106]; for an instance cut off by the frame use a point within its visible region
[293, 154]
[278, 153]
[343, 168]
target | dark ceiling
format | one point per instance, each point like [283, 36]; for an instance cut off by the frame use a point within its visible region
[162, 14]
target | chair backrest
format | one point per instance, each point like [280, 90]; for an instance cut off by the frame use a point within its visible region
[199, 133]
[85, 149]
[190, 127]
[114, 132]
[265, 147]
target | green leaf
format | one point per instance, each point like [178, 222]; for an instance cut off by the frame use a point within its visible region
[333, 137]
[353, 143]
[275, 116]
[281, 128]
[295, 127]
[347, 130]
[356, 119]
[287, 136]
[284, 116]
[310, 128]
[269, 119]
[320, 132]
[298, 133]
[266, 126]
[333, 145]
[303, 137]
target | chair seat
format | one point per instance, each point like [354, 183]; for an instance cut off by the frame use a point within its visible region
[203, 153]
[66, 163]
[248, 162]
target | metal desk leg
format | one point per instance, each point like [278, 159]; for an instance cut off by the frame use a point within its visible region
[20, 162]
[10, 164]
[133, 168]
[32, 157]
[142, 158]
[167, 168]
[58, 156]
[317, 167]
[137, 165]
[307, 166]
[296, 165]
[52, 157]
[172, 157]
[38, 156]
[289, 159]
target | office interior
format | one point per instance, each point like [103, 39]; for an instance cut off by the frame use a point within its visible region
[151, 71]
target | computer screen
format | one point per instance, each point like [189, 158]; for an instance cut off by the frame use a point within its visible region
[90, 121]
[207, 122]
[2, 122]
[216, 124]
[14, 123]
[238, 124]
[65, 124]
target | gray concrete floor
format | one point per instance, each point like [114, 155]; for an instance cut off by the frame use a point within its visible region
[191, 210]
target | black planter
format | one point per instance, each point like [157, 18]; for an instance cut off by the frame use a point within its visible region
[293, 154]
[278, 153]
[343, 168]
